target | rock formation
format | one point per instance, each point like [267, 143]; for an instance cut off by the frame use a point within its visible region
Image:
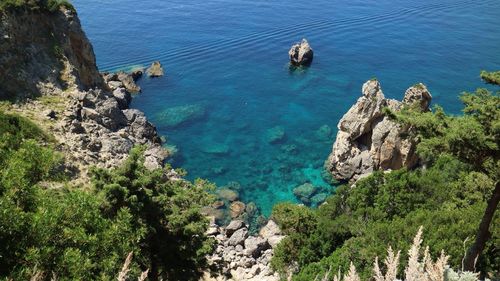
[123, 79]
[238, 256]
[301, 53]
[34, 63]
[369, 140]
[155, 70]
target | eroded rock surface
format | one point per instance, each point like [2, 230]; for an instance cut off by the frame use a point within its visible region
[238, 256]
[369, 140]
[155, 70]
[301, 53]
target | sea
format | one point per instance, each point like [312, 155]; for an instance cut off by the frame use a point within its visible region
[234, 112]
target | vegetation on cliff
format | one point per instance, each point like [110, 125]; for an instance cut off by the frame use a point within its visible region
[50, 229]
[491, 77]
[451, 195]
[34, 5]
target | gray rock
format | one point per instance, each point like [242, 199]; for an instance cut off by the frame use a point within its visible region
[123, 97]
[155, 70]
[275, 240]
[128, 81]
[233, 226]
[270, 229]
[238, 237]
[255, 245]
[301, 53]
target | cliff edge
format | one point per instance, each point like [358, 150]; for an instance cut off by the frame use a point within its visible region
[43, 51]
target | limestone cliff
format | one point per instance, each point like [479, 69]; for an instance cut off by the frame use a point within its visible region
[43, 51]
[369, 140]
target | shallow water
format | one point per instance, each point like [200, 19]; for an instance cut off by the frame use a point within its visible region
[229, 58]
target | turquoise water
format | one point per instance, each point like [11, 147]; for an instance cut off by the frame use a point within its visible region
[227, 61]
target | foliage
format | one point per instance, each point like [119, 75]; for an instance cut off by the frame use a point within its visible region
[448, 195]
[167, 211]
[491, 77]
[50, 230]
[35, 5]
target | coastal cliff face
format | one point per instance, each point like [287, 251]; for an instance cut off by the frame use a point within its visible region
[369, 140]
[44, 51]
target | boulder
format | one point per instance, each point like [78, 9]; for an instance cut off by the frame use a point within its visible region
[228, 194]
[233, 226]
[123, 97]
[237, 208]
[270, 229]
[301, 53]
[238, 237]
[370, 140]
[255, 245]
[128, 81]
[155, 70]
[418, 94]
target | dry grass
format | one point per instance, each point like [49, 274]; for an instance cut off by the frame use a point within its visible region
[418, 269]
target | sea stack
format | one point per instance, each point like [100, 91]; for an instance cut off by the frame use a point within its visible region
[301, 53]
[369, 140]
[155, 70]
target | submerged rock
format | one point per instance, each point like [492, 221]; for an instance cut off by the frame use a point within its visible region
[216, 148]
[324, 133]
[237, 208]
[275, 135]
[178, 115]
[228, 194]
[369, 140]
[305, 192]
[155, 70]
[301, 53]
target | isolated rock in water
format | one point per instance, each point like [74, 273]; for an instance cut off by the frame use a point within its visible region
[418, 94]
[155, 70]
[178, 115]
[237, 208]
[369, 140]
[301, 53]
[275, 135]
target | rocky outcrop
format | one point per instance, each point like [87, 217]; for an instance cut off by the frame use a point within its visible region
[42, 52]
[301, 53]
[99, 129]
[369, 140]
[241, 257]
[155, 70]
[123, 79]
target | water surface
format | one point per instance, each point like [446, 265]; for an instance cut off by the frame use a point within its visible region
[229, 58]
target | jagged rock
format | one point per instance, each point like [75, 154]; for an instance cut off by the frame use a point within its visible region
[270, 229]
[49, 113]
[238, 237]
[237, 208]
[233, 226]
[301, 53]
[275, 135]
[178, 115]
[255, 245]
[155, 70]
[128, 81]
[275, 240]
[369, 140]
[123, 97]
[418, 94]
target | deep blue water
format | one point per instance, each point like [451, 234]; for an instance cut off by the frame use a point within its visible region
[230, 58]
